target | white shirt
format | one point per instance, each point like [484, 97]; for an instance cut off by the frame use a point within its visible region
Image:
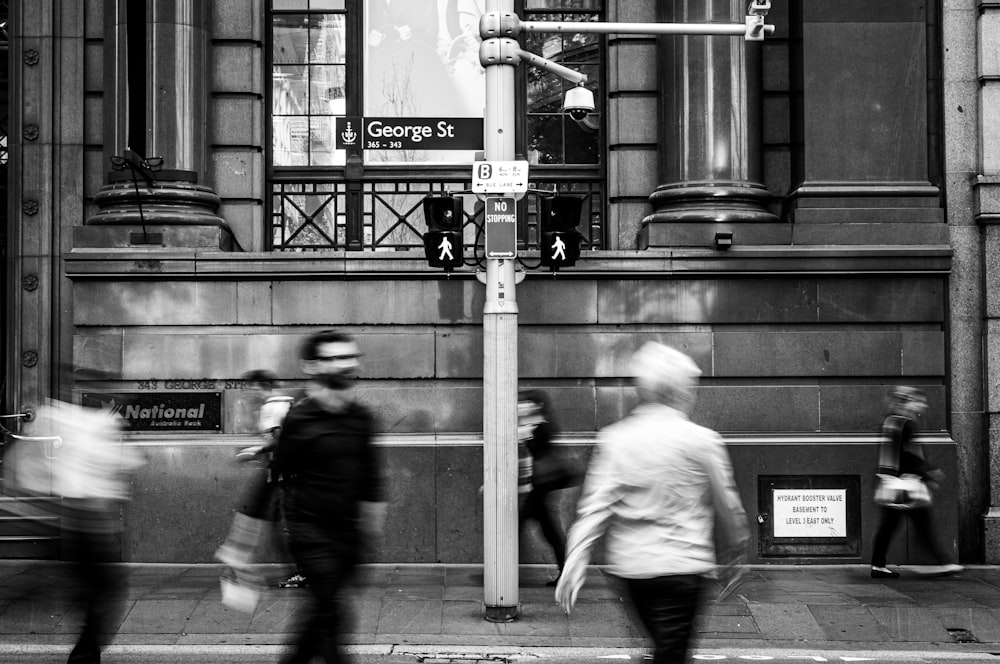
[654, 489]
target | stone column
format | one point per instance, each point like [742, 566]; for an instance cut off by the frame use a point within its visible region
[157, 64]
[864, 119]
[986, 206]
[710, 159]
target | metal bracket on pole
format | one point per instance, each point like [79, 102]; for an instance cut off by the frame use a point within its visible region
[499, 51]
[499, 24]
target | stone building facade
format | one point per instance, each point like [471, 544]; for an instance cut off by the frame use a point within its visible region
[851, 159]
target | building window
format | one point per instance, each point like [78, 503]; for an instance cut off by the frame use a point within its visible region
[551, 136]
[308, 81]
[410, 59]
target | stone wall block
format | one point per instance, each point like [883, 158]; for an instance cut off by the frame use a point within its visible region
[433, 406]
[988, 47]
[237, 68]
[834, 353]
[707, 301]
[546, 302]
[990, 131]
[631, 172]
[992, 368]
[253, 303]
[93, 70]
[236, 19]
[414, 483]
[237, 121]
[154, 303]
[238, 173]
[923, 353]
[776, 66]
[632, 64]
[567, 353]
[377, 302]
[93, 121]
[101, 351]
[93, 19]
[961, 117]
[882, 299]
[736, 408]
[632, 119]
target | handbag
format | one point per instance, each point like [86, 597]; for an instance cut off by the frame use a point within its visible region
[905, 492]
[555, 471]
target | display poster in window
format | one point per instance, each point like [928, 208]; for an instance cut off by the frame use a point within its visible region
[161, 411]
[422, 61]
[810, 512]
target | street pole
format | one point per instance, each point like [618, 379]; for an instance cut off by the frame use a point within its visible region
[500, 527]
[499, 55]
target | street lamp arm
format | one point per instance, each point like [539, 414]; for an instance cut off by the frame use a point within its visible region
[571, 75]
[737, 29]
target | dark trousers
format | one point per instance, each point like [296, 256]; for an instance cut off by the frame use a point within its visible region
[90, 544]
[536, 508]
[667, 606]
[327, 557]
[921, 520]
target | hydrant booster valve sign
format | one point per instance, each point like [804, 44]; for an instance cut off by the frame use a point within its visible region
[810, 512]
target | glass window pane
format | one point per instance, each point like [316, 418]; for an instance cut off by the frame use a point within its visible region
[326, 90]
[545, 92]
[322, 147]
[419, 63]
[290, 91]
[291, 38]
[581, 144]
[328, 38]
[289, 4]
[326, 4]
[545, 139]
[563, 4]
[290, 140]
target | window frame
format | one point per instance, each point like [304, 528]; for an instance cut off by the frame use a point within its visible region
[362, 179]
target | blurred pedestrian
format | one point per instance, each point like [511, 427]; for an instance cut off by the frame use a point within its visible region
[657, 488]
[331, 486]
[91, 469]
[257, 505]
[542, 470]
[905, 483]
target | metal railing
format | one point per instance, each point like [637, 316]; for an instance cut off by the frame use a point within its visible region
[317, 216]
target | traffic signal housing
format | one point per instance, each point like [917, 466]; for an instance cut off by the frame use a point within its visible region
[558, 239]
[443, 239]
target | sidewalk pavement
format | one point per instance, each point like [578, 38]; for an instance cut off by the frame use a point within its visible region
[787, 606]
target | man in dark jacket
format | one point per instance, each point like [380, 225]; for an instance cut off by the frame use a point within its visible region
[331, 487]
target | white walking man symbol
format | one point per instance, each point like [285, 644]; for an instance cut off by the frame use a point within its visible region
[560, 249]
[445, 248]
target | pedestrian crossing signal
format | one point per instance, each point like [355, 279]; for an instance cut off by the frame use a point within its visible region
[443, 249]
[443, 239]
[559, 241]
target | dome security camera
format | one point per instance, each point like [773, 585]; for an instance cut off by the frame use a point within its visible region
[579, 103]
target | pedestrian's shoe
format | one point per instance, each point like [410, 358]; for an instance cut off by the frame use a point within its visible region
[883, 573]
[294, 581]
[942, 570]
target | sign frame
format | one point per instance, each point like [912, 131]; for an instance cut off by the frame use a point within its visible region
[500, 222]
[770, 545]
[500, 177]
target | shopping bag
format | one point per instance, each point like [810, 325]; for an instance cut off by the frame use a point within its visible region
[905, 492]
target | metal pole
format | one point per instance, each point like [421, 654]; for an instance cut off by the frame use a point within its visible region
[500, 519]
